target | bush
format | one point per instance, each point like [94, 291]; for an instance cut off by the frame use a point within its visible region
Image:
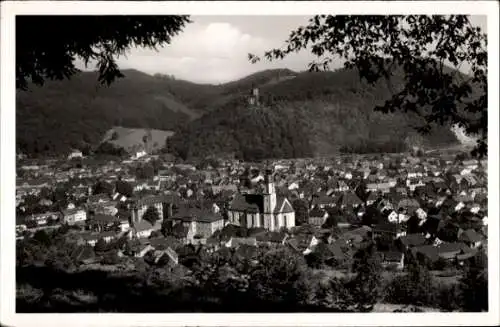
[366, 285]
[448, 297]
[417, 287]
[277, 277]
[474, 286]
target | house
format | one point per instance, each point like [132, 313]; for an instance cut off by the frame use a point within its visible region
[143, 228]
[408, 205]
[472, 238]
[246, 252]
[217, 189]
[84, 254]
[88, 239]
[141, 250]
[264, 209]
[166, 254]
[75, 154]
[98, 198]
[421, 214]
[124, 224]
[271, 238]
[393, 217]
[445, 251]
[393, 259]
[139, 206]
[388, 229]
[323, 201]
[372, 198]
[349, 200]
[20, 225]
[317, 217]
[202, 222]
[379, 187]
[449, 251]
[139, 154]
[108, 236]
[411, 240]
[105, 208]
[356, 236]
[303, 243]
[235, 242]
[102, 222]
[41, 219]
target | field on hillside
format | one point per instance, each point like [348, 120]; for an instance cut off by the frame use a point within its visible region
[132, 138]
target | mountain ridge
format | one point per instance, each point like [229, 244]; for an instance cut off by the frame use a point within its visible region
[330, 111]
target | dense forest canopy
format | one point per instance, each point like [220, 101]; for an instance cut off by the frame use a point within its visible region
[300, 114]
[418, 44]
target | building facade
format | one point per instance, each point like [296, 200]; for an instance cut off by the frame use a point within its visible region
[265, 210]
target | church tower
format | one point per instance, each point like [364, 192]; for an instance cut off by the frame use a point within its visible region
[269, 192]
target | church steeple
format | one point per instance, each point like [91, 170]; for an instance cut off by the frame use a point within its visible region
[269, 181]
[269, 192]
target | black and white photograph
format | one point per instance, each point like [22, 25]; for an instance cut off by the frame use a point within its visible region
[249, 160]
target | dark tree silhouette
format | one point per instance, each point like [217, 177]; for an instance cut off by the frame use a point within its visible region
[48, 51]
[277, 276]
[301, 211]
[474, 285]
[366, 284]
[151, 215]
[103, 187]
[422, 47]
[124, 188]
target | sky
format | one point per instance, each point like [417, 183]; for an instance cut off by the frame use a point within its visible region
[214, 49]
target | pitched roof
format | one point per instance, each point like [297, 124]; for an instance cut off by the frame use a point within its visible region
[97, 197]
[470, 235]
[413, 239]
[247, 202]
[391, 256]
[197, 214]
[237, 241]
[142, 226]
[323, 199]
[408, 203]
[350, 199]
[317, 212]
[104, 219]
[154, 199]
[246, 251]
[83, 253]
[283, 206]
[274, 237]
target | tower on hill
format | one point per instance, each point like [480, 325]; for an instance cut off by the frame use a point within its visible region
[254, 97]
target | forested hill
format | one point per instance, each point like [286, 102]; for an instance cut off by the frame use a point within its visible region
[310, 114]
[77, 113]
[302, 114]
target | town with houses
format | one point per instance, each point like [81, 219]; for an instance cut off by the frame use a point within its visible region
[434, 206]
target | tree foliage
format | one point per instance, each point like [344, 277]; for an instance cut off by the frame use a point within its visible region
[277, 277]
[416, 287]
[474, 285]
[419, 46]
[301, 212]
[48, 51]
[365, 286]
[151, 215]
[103, 187]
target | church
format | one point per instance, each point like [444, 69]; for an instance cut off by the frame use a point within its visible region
[265, 209]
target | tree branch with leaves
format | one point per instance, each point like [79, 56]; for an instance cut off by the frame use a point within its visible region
[47, 46]
[429, 52]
